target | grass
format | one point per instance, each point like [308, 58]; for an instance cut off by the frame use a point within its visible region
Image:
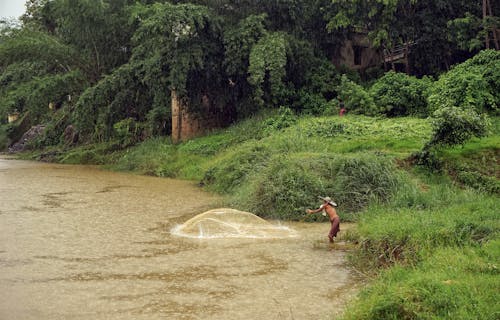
[453, 283]
[436, 252]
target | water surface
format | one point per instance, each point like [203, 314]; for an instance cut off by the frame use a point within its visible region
[80, 243]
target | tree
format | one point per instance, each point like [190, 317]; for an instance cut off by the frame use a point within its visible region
[98, 29]
[267, 67]
[174, 48]
[421, 27]
[36, 69]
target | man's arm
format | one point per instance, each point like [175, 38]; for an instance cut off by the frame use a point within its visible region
[315, 210]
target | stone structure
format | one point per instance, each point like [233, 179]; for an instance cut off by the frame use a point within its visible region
[187, 124]
[357, 54]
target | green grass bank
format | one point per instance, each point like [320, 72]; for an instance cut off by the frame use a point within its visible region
[428, 236]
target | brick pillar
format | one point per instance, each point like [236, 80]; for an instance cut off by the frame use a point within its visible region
[176, 117]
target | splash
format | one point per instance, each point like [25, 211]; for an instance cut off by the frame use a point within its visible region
[231, 223]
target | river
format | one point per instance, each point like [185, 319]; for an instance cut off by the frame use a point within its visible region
[77, 242]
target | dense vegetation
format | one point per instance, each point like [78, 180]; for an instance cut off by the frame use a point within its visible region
[414, 162]
[119, 60]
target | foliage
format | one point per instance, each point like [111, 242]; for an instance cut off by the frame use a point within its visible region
[452, 126]
[174, 40]
[38, 48]
[36, 94]
[355, 97]
[239, 41]
[401, 95]
[127, 131]
[267, 67]
[310, 103]
[118, 96]
[388, 23]
[473, 84]
[98, 29]
[465, 31]
[284, 119]
[283, 188]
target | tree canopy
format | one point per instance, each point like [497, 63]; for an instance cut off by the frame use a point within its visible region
[110, 60]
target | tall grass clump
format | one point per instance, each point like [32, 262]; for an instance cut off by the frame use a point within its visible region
[232, 169]
[289, 184]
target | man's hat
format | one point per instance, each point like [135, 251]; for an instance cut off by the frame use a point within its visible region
[329, 200]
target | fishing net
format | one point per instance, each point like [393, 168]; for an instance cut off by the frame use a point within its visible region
[231, 223]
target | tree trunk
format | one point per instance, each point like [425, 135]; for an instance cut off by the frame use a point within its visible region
[486, 33]
[176, 117]
[393, 66]
[493, 27]
[407, 63]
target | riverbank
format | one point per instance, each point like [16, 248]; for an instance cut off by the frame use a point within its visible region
[430, 235]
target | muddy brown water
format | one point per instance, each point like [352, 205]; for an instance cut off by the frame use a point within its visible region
[77, 242]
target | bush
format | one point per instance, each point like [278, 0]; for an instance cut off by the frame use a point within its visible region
[355, 97]
[399, 94]
[128, 131]
[474, 84]
[285, 189]
[289, 185]
[310, 103]
[452, 126]
[284, 119]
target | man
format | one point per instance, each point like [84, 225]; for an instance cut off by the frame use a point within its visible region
[328, 206]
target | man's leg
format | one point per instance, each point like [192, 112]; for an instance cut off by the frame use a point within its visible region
[334, 229]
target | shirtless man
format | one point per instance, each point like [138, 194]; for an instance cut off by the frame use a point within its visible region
[329, 207]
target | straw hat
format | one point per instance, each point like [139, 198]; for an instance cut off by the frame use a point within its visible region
[329, 200]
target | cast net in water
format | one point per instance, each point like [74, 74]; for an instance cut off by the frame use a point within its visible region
[231, 223]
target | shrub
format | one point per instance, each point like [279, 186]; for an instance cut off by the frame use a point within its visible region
[284, 119]
[474, 84]
[452, 126]
[310, 103]
[399, 94]
[355, 97]
[285, 189]
[365, 179]
[128, 131]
